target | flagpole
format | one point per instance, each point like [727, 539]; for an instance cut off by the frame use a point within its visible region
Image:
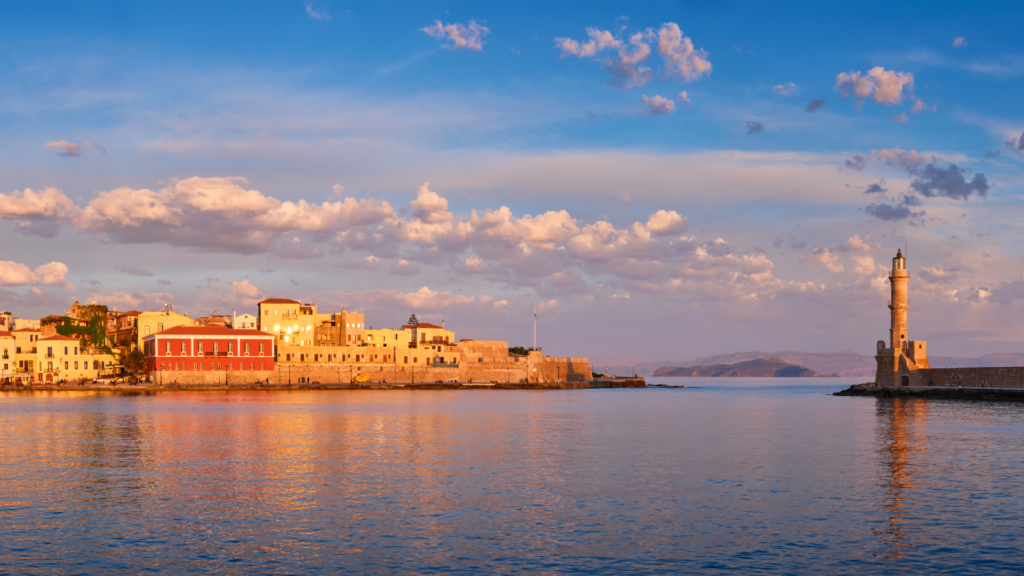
[534, 327]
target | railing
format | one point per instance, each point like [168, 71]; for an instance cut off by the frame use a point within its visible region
[216, 354]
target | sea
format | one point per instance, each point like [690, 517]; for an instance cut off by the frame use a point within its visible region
[727, 475]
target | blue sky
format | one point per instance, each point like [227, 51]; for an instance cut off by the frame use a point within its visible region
[184, 153]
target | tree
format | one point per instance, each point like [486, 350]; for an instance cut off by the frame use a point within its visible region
[135, 362]
[519, 350]
[413, 320]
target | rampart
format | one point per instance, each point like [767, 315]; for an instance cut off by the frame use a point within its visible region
[1002, 377]
[510, 370]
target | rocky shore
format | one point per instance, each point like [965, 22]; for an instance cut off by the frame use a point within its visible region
[147, 388]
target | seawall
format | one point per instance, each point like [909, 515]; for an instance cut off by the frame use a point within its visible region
[155, 387]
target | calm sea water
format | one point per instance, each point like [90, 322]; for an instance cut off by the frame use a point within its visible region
[739, 475]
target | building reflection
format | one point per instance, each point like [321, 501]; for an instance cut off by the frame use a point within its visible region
[901, 443]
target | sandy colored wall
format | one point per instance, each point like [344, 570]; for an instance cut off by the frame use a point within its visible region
[1010, 377]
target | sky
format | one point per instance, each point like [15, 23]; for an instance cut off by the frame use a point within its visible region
[658, 181]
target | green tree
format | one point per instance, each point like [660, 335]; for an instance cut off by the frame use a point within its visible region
[519, 350]
[413, 320]
[135, 362]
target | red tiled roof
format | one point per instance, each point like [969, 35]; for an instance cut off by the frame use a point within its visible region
[58, 337]
[3, 333]
[211, 331]
[27, 330]
[421, 325]
[278, 301]
[129, 313]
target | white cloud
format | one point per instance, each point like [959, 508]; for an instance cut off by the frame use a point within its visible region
[883, 86]
[17, 274]
[338, 189]
[245, 289]
[52, 274]
[429, 206]
[787, 89]
[315, 13]
[663, 223]
[919, 106]
[658, 105]
[959, 41]
[599, 40]
[824, 257]
[469, 37]
[684, 97]
[681, 60]
[64, 148]
[678, 55]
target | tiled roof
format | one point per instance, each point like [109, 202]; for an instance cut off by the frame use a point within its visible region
[27, 330]
[58, 337]
[211, 331]
[129, 313]
[278, 301]
[5, 334]
[421, 325]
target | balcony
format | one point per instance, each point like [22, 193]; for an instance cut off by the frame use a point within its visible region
[216, 354]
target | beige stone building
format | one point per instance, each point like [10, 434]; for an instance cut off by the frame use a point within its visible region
[62, 358]
[387, 338]
[25, 343]
[154, 322]
[289, 320]
[7, 355]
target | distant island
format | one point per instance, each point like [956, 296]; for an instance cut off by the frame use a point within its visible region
[758, 368]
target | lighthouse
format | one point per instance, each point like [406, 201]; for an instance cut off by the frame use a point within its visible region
[898, 362]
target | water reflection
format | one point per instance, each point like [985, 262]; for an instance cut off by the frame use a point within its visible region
[901, 446]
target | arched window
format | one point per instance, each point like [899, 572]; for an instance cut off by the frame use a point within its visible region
[906, 380]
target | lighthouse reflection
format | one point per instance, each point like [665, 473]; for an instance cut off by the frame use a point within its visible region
[901, 443]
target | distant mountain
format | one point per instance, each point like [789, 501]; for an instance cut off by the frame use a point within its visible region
[757, 368]
[843, 363]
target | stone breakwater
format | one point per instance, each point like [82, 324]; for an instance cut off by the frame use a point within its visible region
[147, 388]
[976, 393]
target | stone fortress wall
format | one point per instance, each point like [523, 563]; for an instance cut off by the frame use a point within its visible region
[904, 362]
[473, 367]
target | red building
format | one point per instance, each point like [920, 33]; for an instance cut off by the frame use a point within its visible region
[204, 348]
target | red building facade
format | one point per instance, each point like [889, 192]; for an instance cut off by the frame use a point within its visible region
[205, 348]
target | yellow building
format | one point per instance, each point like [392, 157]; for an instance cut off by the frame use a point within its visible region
[61, 358]
[289, 320]
[7, 355]
[425, 335]
[387, 338]
[25, 341]
[153, 322]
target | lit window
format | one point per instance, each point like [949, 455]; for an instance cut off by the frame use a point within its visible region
[159, 327]
[167, 349]
[183, 348]
[147, 330]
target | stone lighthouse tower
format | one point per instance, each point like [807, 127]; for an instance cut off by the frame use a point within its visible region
[898, 279]
[898, 362]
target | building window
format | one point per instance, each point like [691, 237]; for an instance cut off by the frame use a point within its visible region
[167, 348]
[65, 365]
[218, 365]
[216, 347]
[49, 352]
[195, 366]
[65, 350]
[231, 366]
[276, 312]
[182, 348]
[261, 347]
[261, 365]
[147, 330]
[246, 347]
[76, 350]
[200, 348]
[231, 348]
[159, 327]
